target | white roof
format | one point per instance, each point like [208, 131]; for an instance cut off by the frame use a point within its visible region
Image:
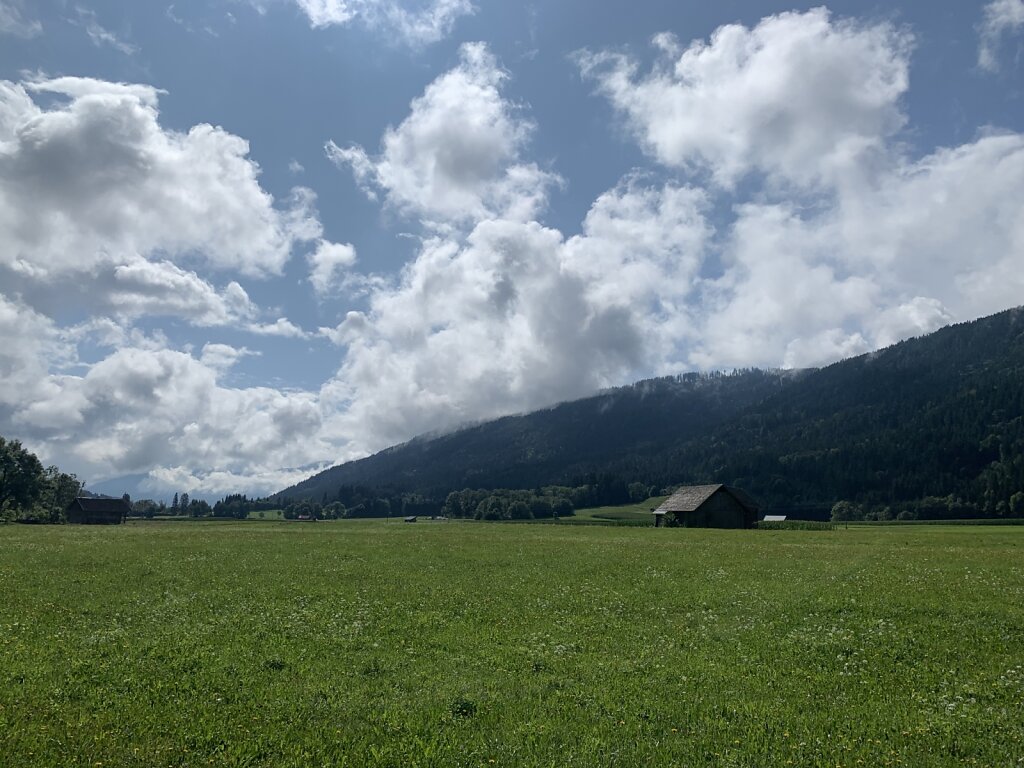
[774, 518]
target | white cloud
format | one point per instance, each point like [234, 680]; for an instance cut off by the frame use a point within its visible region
[160, 411]
[13, 22]
[99, 35]
[323, 13]
[96, 182]
[329, 263]
[455, 158]
[160, 288]
[932, 241]
[282, 327]
[1001, 17]
[799, 97]
[916, 317]
[105, 212]
[429, 23]
[512, 316]
[32, 345]
[221, 357]
[474, 329]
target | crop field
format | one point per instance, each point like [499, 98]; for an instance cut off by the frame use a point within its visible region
[365, 643]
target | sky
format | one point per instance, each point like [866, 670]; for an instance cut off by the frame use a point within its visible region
[244, 240]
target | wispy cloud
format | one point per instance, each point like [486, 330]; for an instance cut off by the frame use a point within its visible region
[100, 35]
[13, 22]
[1000, 18]
[427, 24]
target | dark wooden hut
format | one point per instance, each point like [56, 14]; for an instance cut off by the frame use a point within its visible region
[707, 506]
[88, 510]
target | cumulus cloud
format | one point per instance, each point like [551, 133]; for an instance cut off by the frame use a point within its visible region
[104, 212]
[932, 241]
[32, 345]
[1001, 17]
[456, 157]
[422, 25]
[282, 327]
[221, 357]
[13, 21]
[160, 288]
[475, 329]
[159, 410]
[94, 181]
[329, 263]
[839, 240]
[798, 96]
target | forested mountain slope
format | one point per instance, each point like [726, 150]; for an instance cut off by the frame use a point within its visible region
[936, 416]
[556, 445]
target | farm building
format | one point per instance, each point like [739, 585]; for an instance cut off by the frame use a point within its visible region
[97, 511]
[707, 506]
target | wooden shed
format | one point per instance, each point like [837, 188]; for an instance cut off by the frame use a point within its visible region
[91, 510]
[707, 506]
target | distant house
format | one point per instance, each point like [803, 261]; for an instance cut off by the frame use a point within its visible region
[707, 506]
[774, 519]
[88, 510]
[411, 519]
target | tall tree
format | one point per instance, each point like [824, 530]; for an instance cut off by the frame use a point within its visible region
[22, 479]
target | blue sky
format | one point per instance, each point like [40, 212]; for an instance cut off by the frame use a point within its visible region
[242, 240]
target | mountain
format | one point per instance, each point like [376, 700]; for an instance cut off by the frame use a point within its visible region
[935, 416]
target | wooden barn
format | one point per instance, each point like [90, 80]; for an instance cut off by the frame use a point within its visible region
[87, 510]
[707, 506]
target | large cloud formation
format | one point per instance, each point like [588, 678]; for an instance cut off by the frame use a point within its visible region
[456, 157]
[798, 97]
[106, 214]
[96, 179]
[839, 240]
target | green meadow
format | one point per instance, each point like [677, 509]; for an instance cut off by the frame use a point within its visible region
[366, 643]
[638, 513]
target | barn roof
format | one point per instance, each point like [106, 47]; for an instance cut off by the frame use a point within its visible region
[93, 504]
[690, 497]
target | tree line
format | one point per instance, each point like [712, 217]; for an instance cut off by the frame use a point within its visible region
[30, 492]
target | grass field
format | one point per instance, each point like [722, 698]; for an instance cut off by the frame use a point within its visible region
[640, 512]
[270, 514]
[372, 644]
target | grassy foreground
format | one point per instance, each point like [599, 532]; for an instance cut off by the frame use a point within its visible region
[374, 644]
